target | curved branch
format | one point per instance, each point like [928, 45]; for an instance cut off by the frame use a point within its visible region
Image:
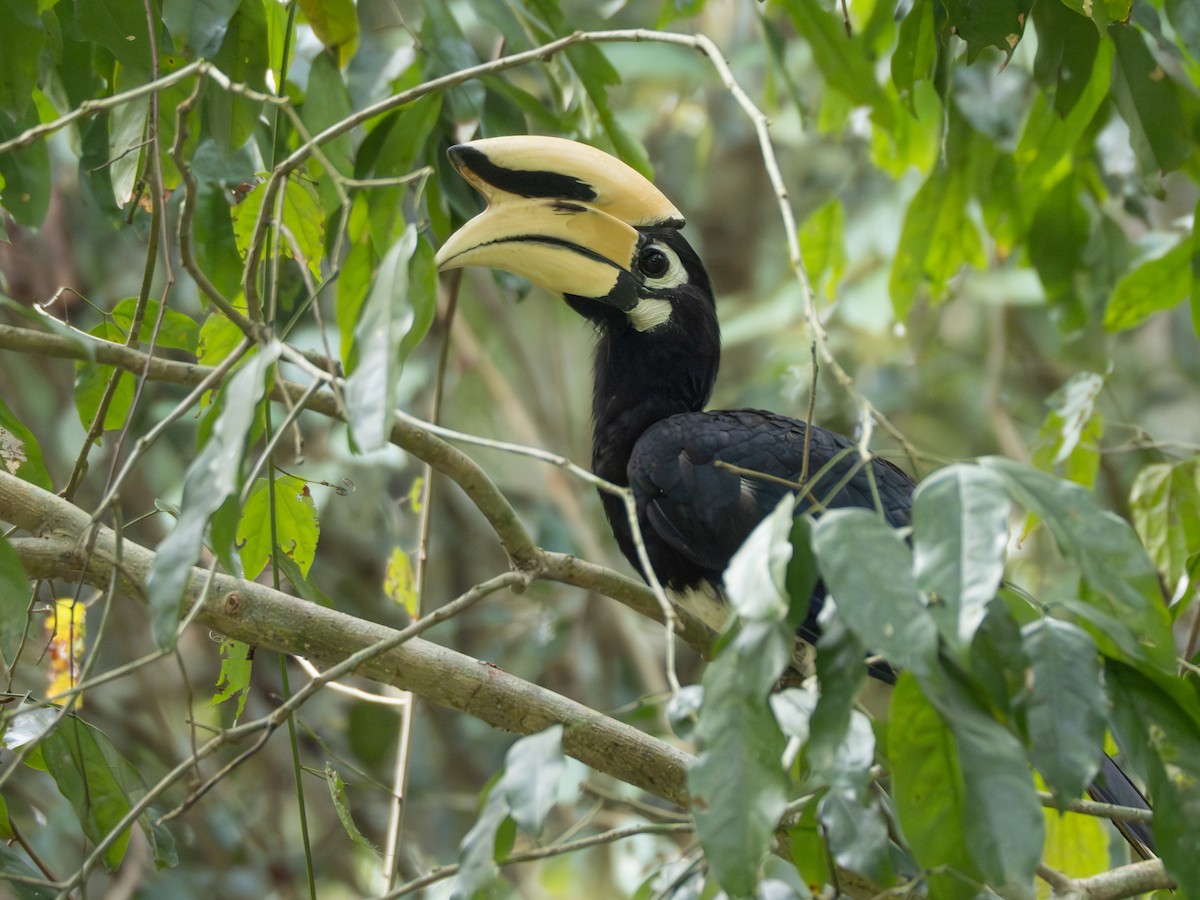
[62, 546]
[523, 553]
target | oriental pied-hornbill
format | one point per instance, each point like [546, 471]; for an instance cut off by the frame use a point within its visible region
[583, 224]
[580, 223]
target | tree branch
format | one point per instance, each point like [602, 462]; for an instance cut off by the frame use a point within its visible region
[259, 615]
[518, 544]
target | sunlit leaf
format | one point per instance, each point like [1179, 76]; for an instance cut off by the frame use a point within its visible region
[1165, 503]
[126, 135]
[1067, 709]
[335, 23]
[937, 239]
[212, 477]
[399, 582]
[1155, 285]
[302, 221]
[296, 525]
[842, 61]
[178, 331]
[66, 631]
[218, 338]
[1102, 12]
[960, 534]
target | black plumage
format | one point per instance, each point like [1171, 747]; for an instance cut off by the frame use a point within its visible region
[702, 480]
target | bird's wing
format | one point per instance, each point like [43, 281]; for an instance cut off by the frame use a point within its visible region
[703, 481]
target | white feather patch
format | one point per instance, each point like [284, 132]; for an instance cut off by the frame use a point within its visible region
[650, 313]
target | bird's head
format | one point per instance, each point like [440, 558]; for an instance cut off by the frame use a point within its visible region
[580, 223]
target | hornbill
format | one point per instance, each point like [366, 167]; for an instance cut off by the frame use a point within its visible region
[583, 224]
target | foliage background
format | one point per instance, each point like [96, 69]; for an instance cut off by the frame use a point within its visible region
[997, 219]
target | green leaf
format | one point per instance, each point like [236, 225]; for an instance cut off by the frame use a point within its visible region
[1076, 845]
[13, 864]
[1066, 53]
[755, 577]
[15, 599]
[20, 454]
[844, 62]
[1102, 12]
[337, 792]
[244, 57]
[1044, 155]
[937, 239]
[536, 763]
[1154, 286]
[1068, 442]
[335, 23]
[1058, 236]
[868, 570]
[126, 137]
[219, 336]
[1004, 827]
[1123, 609]
[91, 384]
[21, 41]
[1185, 19]
[77, 762]
[1157, 723]
[532, 770]
[303, 222]
[24, 175]
[178, 331]
[823, 247]
[840, 675]
[1165, 503]
[916, 49]
[1151, 103]
[856, 829]
[234, 678]
[211, 478]
[118, 27]
[928, 791]
[737, 784]
[987, 23]
[960, 534]
[399, 582]
[395, 316]
[1067, 710]
[201, 26]
[297, 528]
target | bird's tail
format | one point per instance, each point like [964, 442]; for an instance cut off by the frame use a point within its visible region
[1113, 786]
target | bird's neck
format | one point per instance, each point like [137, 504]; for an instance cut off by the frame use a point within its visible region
[642, 378]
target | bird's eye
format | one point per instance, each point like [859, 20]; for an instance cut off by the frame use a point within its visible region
[653, 262]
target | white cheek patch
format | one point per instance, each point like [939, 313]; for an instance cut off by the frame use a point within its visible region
[649, 313]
